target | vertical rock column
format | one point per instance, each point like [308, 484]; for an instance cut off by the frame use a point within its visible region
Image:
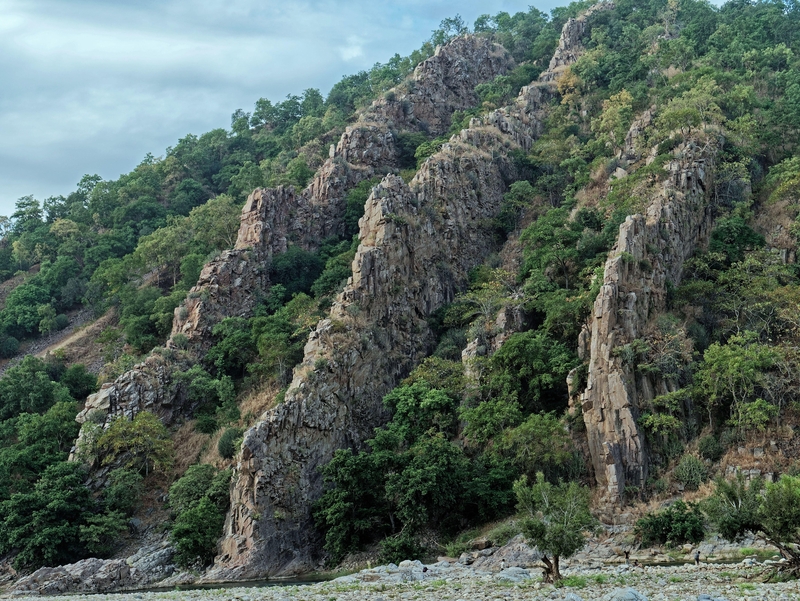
[650, 251]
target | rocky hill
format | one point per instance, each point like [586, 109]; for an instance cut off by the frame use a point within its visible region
[575, 261]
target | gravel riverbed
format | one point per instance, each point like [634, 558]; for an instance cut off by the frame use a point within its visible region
[443, 581]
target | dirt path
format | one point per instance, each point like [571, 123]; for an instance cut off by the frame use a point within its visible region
[82, 330]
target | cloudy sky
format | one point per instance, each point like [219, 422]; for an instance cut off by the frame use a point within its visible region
[91, 86]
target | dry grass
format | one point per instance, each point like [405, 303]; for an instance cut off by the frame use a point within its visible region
[189, 446]
[257, 401]
[211, 454]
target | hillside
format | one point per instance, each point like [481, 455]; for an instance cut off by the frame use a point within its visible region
[561, 245]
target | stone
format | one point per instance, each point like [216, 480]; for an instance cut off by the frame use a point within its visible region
[86, 576]
[624, 594]
[513, 575]
[515, 553]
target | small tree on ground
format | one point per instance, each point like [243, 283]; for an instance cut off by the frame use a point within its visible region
[769, 511]
[556, 519]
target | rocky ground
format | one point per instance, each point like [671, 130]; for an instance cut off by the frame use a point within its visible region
[443, 581]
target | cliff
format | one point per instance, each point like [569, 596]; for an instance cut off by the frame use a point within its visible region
[417, 244]
[649, 254]
[271, 219]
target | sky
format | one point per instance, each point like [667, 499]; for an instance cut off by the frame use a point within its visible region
[92, 86]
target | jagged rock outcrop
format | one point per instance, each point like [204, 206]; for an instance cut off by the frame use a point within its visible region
[86, 576]
[417, 245]
[570, 44]
[271, 219]
[649, 253]
[149, 564]
[231, 284]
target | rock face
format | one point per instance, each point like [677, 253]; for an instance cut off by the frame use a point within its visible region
[417, 245]
[230, 285]
[570, 45]
[649, 253]
[271, 219]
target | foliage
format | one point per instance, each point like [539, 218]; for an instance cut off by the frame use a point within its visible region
[123, 491]
[227, 443]
[735, 505]
[691, 472]
[770, 509]
[142, 444]
[677, 524]
[710, 448]
[195, 533]
[57, 522]
[200, 500]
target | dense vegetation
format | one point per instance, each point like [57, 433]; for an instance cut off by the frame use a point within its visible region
[460, 435]
[726, 347]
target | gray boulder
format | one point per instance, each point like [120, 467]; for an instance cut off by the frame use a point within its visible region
[624, 594]
[86, 576]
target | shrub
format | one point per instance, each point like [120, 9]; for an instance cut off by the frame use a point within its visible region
[180, 341]
[142, 444]
[403, 546]
[227, 446]
[123, 491]
[677, 524]
[61, 321]
[79, 381]
[710, 448]
[8, 346]
[191, 487]
[691, 472]
[195, 533]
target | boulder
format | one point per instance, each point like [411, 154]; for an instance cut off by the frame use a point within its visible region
[86, 576]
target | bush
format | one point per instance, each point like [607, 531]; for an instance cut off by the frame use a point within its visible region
[677, 524]
[8, 346]
[710, 448]
[142, 444]
[191, 487]
[227, 443]
[395, 549]
[79, 381]
[123, 491]
[195, 533]
[61, 321]
[691, 472]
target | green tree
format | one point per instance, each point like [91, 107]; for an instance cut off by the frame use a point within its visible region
[556, 519]
[142, 444]
[43, 526]
[196, 531]
[731, 374]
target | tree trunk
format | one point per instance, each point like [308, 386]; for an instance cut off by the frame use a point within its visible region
[547, 571]
[556, 571]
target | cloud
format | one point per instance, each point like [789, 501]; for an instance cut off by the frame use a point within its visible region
[353, 49]
[91, 86]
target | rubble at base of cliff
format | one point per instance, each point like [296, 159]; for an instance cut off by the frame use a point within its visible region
[453, 580]
[512, 564]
